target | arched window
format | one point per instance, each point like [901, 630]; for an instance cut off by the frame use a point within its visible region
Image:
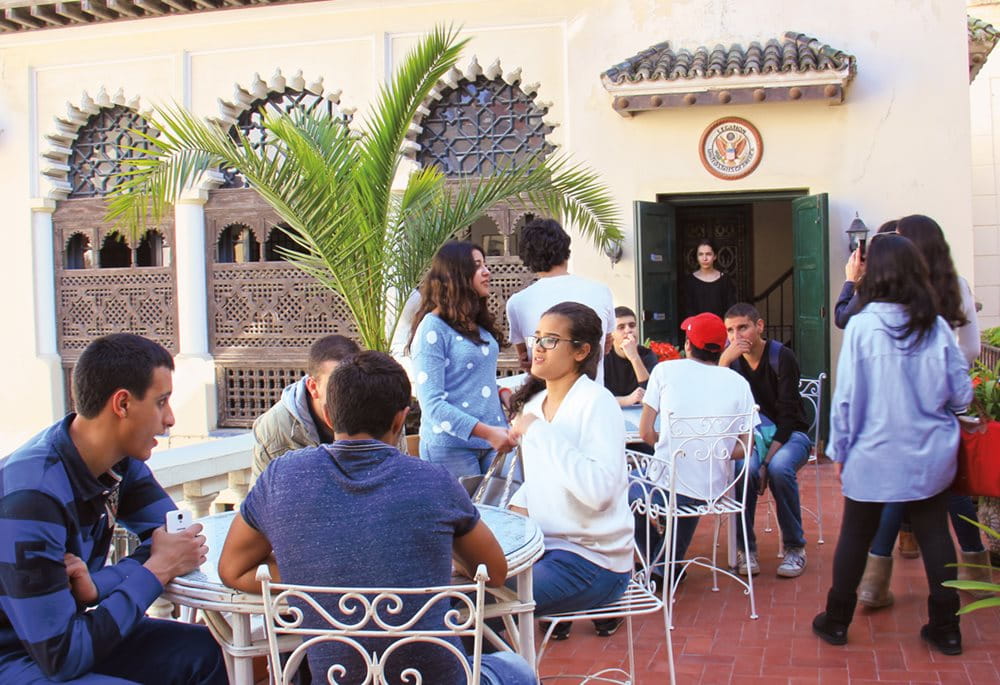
[115, 252]
[237, 244]
[251, 121]
[78, 254]
[481, 126]
[103, 149]
[276, 239]
[152, 251]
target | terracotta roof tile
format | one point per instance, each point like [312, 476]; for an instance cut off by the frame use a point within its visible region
[982, 38]
[796, 52]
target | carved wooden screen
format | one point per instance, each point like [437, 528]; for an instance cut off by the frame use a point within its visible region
[497, 234]
[105, 284]
[262, 315]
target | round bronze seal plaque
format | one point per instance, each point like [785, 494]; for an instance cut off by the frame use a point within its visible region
[731, 148]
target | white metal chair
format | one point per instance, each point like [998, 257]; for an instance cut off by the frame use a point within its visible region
[705, 447]
[811, 392]
[641, 597]
[365, 613]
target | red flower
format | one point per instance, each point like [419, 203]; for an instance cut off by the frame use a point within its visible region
[664, 351]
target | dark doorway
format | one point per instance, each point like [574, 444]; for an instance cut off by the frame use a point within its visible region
[730, 227]
[755, 236]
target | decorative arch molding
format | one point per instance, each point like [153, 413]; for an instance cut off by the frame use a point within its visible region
[244, 97]
[58, 145]
[472, 71]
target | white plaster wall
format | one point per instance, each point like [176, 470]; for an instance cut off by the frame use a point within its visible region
[900, 144]
[984, 98]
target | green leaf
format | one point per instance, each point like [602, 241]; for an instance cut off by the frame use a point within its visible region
[332, 185]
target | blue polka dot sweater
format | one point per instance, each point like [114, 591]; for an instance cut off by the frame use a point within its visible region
[456, 384]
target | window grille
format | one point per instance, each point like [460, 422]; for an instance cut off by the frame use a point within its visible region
[104, 148]
[482, 126]
[251, 122]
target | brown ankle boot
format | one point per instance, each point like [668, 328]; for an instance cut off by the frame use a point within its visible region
[979, 571]
[908, 547]
[874, 589]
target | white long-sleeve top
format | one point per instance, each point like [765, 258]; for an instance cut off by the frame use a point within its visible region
[576, 478]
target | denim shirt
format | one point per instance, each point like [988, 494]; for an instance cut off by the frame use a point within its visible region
[893, 424]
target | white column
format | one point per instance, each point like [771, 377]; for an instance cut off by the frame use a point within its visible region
[46, 344]
[194, 397]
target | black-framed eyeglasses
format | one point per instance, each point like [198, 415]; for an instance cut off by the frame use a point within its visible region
[548, 342]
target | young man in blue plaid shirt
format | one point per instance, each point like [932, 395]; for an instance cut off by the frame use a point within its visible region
[64, 614]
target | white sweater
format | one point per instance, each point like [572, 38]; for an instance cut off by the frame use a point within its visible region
[576, 478]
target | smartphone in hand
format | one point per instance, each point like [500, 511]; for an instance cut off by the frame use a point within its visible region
[861, 246]
[178, 520]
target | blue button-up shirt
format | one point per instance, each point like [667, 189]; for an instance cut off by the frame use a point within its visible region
[892, 424]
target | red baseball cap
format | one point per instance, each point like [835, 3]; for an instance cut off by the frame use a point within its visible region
[705, 330]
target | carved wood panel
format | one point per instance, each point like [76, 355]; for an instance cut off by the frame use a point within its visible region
[94, 301]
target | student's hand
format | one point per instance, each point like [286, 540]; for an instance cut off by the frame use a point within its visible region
[81, 586]
[174, 554]
[838, 468]
[733, 352]
[519, 426]
[855, 267]
[635, 397]
[499, 439]
[630, 347]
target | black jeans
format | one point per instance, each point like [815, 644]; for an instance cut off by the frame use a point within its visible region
[929, 518]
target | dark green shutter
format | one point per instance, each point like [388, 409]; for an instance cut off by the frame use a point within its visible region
[810, 246]
[656, 257]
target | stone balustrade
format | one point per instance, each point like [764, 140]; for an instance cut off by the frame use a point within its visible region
[208, 477]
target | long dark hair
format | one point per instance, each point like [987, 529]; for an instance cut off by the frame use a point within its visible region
[925, 233]
[585, 327]
[896, 272]
[447, 287]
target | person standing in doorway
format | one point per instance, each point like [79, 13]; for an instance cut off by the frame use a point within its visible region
[708, 289]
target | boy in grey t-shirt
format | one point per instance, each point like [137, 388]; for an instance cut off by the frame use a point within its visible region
[358, 513]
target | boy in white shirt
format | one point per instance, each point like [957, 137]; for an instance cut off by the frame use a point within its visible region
[543, 246]
[693, 387]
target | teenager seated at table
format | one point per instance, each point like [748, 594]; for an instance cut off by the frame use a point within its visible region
[627, 368]
[572, 437]
[691, 387]
[359, 513]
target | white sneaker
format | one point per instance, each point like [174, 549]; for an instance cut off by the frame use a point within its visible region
[794, 563]
[741, 563]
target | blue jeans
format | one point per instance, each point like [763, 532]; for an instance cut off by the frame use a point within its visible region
[460, 461]
[782, 476]
[564, 581]
[958, 505]
[506, 668]
[683, 531]
[155, 651]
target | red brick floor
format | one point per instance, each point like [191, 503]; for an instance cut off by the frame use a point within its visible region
[715, 641]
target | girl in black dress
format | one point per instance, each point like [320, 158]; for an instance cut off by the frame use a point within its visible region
[708, 289]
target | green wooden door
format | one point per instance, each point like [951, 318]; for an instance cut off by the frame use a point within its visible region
[656, 257]
[810, 260]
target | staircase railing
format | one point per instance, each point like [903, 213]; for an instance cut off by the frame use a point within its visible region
[771, 305]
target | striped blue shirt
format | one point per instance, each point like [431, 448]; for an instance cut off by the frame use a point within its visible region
[51, 504]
